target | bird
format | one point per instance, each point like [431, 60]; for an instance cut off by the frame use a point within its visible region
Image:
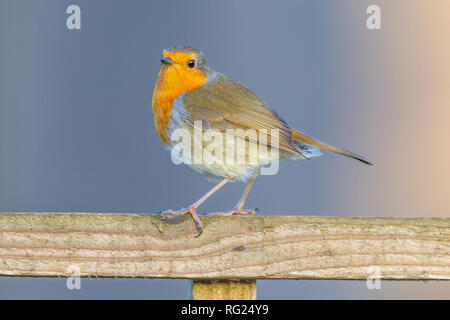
[189, 94]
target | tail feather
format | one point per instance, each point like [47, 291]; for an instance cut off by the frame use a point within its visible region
[298, 136]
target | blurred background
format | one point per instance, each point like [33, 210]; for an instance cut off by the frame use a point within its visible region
[77, 133]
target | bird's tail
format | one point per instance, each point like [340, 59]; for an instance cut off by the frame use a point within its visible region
[302, 138]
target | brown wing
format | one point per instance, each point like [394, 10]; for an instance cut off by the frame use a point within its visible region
[226, 104]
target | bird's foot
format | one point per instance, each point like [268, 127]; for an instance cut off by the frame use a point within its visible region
[170, 212]
[190, 210]
[236, 211]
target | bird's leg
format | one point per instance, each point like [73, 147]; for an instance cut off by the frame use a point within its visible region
[238, 208]
[192, 209]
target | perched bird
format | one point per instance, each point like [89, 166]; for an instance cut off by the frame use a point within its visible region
[187, 92]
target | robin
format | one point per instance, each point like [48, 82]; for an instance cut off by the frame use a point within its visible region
[188, 92]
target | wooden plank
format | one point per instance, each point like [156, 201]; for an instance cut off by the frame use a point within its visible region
[240, 247]
[223, 289]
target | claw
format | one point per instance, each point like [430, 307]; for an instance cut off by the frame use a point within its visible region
[198, 222]
[192, 211]
[200, 232]
[170, 212]
[235, 211]
[244, 211]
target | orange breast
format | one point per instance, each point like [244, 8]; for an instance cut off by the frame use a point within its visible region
[173, 81]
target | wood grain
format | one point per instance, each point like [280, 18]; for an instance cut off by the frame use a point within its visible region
[240, 247]
[223, 290]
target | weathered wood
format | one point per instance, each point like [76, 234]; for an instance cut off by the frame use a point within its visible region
[223, 289]
[240, 247]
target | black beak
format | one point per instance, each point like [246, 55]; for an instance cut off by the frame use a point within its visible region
[166, 60]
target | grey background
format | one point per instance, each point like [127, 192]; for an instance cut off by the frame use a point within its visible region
[77, 134]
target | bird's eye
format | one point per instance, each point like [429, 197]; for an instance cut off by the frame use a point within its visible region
[191, 63]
